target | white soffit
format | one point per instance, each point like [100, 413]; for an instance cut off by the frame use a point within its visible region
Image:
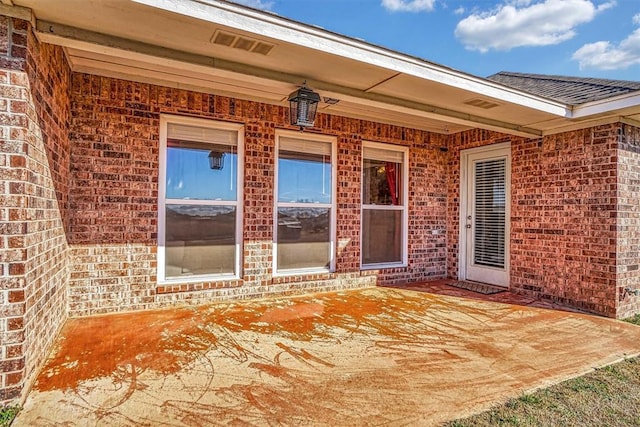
[171, 46]
[173, 73]
[198, 78]
[234, 16]
[104, 55]
[400, 118]
[416, 90]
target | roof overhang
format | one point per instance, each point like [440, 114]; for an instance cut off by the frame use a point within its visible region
[170, 42]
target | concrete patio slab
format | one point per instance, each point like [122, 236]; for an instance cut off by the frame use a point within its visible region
[376, 356]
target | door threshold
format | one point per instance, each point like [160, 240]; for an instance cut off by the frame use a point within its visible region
[481, 288]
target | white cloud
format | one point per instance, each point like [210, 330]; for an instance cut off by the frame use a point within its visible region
[604, 55]
[409, 5]
[607, 5]
[459, 11]
[256, 4]
[526, 23]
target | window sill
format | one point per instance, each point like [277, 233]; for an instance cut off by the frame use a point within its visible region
[302, 272]
[299, 276]
[202, 284]
[197, 279]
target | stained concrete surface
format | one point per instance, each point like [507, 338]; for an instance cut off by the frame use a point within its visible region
[378, 356]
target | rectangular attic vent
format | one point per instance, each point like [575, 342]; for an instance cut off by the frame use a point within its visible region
[237, 41]
[244, 44]
[262, 48]
[223, 39]
[481, 103]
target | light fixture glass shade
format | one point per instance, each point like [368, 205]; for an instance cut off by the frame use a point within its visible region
[303, 105]
[216, 159]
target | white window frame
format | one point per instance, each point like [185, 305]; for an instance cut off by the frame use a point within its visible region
[331, 206]
[404, 207]
[165, 120]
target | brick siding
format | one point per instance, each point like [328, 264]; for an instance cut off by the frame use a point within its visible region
[563, 215]
[34, 159]
[564, 234]
[114, 198]
[628, 221]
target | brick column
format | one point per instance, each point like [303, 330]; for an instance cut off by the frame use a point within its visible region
[34, 151]
[258, 203]
[13, 226]
[628, 221]
[349, 199]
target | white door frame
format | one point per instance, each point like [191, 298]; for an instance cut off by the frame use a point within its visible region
[489, 150]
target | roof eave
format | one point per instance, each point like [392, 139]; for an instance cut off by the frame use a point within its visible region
[605, 106]
[269, 25]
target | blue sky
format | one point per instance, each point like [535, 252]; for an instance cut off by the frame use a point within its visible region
[589, 38]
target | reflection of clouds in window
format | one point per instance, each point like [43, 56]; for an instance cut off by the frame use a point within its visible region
[304, 187]
[178, 186]
[304, 177]
[190, 177]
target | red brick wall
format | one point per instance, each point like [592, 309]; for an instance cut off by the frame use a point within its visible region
[34, 159]
[628, 221]
[563, 203]
[563, 222]
[114, 191]
[564, 229]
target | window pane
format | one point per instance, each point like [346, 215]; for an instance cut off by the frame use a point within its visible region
[381, 183]
[189, 175]
[200, 240]
[304, 178]
[489, 213]
[303, 238]
[381, 236]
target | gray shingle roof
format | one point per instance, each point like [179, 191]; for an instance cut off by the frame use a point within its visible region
[568, 90]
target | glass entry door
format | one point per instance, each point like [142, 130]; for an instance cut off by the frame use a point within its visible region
[486, 219]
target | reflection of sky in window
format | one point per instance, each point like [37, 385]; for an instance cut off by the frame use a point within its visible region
[190, 177]
[304, 181]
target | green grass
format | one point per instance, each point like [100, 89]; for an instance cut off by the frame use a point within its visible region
[606, 397]
[7, 414]
[635, 319]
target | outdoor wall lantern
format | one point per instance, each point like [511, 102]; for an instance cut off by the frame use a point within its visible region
[303, 105]
[216, 159]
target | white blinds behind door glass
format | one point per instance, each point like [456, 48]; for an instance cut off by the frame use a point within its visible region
[489, 215]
